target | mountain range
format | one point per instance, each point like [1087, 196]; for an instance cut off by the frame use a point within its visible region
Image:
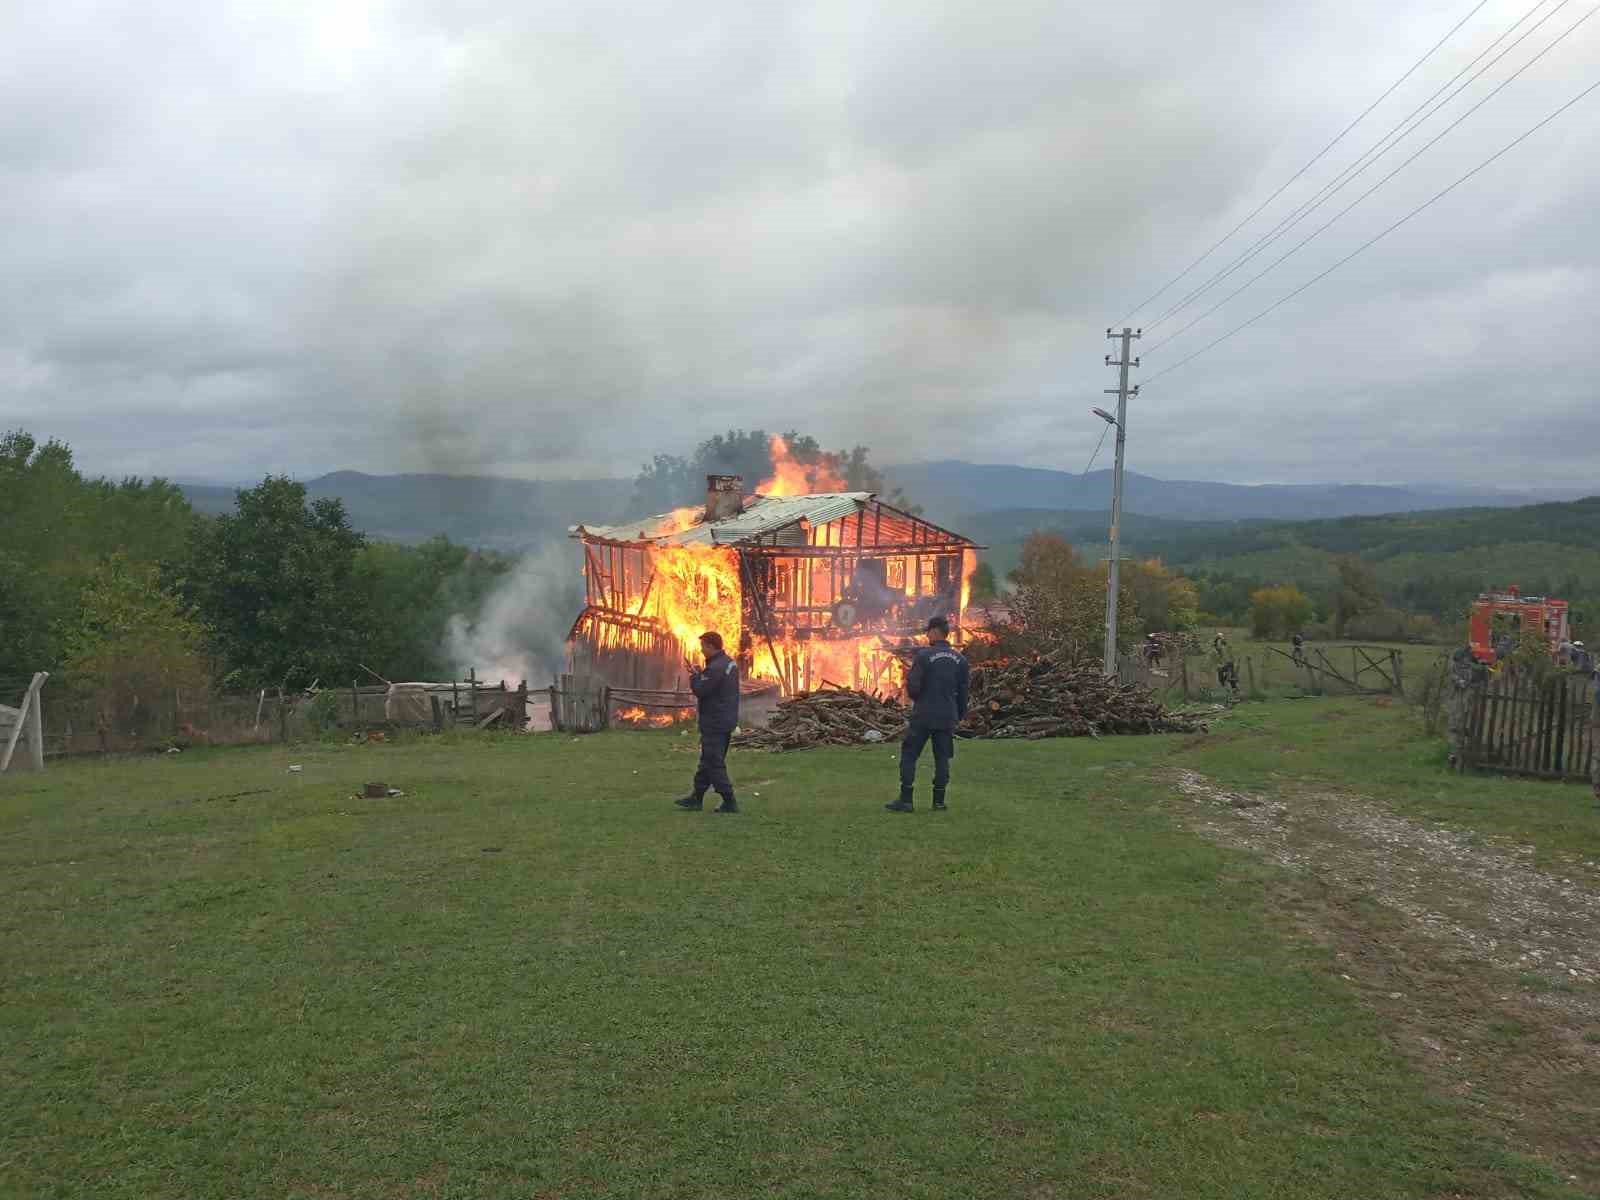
[514, 514]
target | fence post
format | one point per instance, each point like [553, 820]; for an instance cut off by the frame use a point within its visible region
[555, 713]
[355, 704]
[1394, 663]
[283, 718]
[35, 720]
[437, 711]
[1184, 659]
[472, 688]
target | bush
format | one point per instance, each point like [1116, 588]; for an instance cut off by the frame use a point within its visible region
[322, 714]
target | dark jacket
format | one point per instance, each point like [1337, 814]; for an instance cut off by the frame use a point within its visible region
[717, 689]
[937, 686]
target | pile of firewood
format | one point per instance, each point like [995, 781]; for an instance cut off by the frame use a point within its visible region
[834, 716]
[1040, 698]
[1010, 698]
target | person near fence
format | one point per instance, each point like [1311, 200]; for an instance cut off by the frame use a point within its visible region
[938, 684]
[1227, 668]
[716, 690]
[1299, 654]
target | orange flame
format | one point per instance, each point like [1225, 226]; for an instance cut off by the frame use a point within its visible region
[634, 715]
[694, 589]
[791, 477]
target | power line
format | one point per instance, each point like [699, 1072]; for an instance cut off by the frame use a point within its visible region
[1397, 133]
[1096, 453]
[1316, 158]
[1511, 145]
[1341, 213]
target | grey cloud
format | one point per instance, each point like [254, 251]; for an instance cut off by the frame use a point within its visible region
[553, 239]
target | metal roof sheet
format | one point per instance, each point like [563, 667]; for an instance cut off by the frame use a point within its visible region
[762, 514]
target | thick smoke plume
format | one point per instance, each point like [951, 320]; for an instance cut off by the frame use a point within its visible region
[520, 630]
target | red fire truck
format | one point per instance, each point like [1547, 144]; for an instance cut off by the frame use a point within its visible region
[1497, 616]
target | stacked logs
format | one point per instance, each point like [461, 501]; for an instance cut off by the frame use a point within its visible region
[1040, 698]
[1010, 698]
[834, 716]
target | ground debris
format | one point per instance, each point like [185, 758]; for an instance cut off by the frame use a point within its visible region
[831, 716]
[1043, 697]
[1030, 699]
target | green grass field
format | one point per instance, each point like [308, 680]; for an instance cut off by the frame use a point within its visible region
[530, 976]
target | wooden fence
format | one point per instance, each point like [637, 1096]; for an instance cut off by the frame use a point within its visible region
[1527, 726]
[1267, 670]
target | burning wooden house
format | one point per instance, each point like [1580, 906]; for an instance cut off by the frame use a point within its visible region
[804, 588]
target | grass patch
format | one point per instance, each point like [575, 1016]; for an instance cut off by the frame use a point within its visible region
[1373, 746]
[531, 976]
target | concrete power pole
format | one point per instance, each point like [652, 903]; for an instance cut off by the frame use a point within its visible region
[1122, 391]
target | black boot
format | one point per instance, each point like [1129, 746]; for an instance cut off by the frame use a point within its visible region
[728, 805]
[903, 804]
[938, 800]
[691, 803]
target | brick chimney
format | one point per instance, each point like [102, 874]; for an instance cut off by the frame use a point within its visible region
[724, 496]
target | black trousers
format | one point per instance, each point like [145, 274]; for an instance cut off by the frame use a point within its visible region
[944, 749]
[713, 769]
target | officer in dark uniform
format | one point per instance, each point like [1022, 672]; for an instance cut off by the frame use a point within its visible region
[937, 685]
[716, 689]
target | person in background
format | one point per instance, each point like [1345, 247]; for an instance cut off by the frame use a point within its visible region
[1299, 644]
[716, 690]
[938, 686]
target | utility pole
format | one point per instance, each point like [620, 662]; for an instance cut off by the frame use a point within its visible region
[1122, 391]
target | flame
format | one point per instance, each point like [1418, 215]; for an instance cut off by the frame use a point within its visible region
[694, 589]
[790, 477]
[634, 715]
[683, 518]
[969, 567]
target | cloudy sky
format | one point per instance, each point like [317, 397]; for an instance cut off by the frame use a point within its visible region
[551, 239]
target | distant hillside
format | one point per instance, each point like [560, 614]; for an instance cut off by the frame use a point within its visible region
[493, 513]
[1428, 562]
[950, 488]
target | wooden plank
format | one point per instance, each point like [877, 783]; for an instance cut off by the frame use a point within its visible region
[1493, 710]
[27, 718]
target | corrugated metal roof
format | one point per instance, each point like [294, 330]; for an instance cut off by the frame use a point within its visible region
[761, 514]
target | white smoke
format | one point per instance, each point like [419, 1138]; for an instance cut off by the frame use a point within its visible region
[520, 630]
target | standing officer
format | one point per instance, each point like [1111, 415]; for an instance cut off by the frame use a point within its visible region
[716, 688]
[937, 685]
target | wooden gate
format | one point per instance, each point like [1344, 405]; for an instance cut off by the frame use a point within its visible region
[1533, 727]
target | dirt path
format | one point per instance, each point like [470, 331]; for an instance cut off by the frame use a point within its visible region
[1484, 968]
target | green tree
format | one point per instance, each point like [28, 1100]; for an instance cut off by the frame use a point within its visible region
[274, 580]
[1276, 612]
[132, 644]
[1165, 599]
[1060, 603]
[1358, 591]
[984, 588]
[56, 528]
[410, 595]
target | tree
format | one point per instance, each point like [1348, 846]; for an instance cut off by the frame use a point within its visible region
[1060, 604]
[673, 481]
[56, 529]
[1278, 611]
[1358, 591]
[132, 644]
[1165, 599]
[410, 595]
[984, 588]
[274, 582]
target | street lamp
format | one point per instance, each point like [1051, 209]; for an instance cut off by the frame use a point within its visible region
[1104, 415]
